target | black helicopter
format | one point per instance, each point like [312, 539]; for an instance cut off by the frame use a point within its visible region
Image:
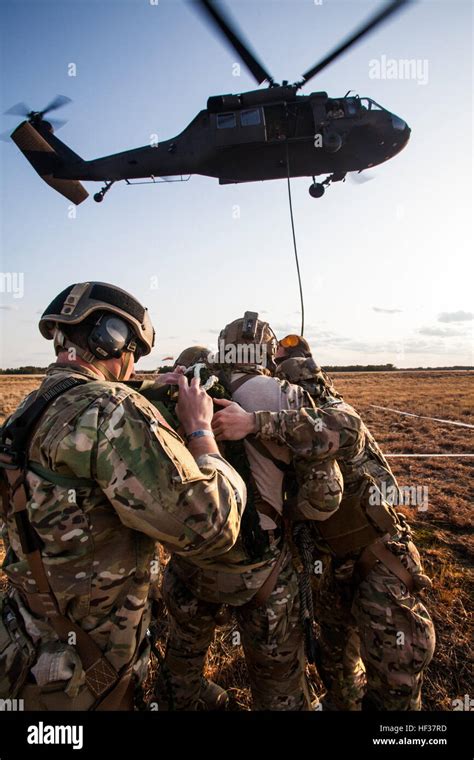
[263, 134]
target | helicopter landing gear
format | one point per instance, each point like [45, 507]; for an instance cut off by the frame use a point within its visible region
[316, 190]
[99, 197]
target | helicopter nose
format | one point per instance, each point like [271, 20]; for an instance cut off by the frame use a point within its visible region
[401, 128]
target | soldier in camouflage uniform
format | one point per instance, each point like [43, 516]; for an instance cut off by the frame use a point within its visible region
[256, 578]
[367, 602]
[291, 347]
[192, 355]
[107, 479]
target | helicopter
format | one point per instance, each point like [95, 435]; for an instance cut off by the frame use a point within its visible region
[263, 134]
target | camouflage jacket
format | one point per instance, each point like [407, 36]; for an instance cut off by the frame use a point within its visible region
[140, 485]
[332, 429]
[234, 578]
[335, 430]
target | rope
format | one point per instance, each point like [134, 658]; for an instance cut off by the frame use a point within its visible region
[422, 417]
[428, 456]
[304, 543]
[294, 239]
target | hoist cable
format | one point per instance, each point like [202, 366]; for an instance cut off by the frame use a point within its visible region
[294, 240]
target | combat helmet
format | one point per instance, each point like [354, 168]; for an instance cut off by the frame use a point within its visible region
[99, 321]
[87, 302]
[192, 355]
[305, 372]
[243, 333]
[298, 370]
[293, 346]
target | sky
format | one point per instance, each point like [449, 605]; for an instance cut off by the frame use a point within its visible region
[387, 265]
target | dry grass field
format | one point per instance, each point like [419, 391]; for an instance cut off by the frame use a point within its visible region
[443, 532]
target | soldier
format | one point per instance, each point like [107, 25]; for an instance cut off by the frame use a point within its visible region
[256, 578]
[192, 355]
[292, 346]
[368, 606]
[105, 478]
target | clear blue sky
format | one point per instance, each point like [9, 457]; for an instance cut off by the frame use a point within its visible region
[387, 265]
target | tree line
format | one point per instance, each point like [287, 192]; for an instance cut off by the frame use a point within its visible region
[31, 370]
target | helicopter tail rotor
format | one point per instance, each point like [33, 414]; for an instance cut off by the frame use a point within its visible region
[37, 117]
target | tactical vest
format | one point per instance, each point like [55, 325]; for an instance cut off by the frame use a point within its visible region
[358, 523]
[363, 515]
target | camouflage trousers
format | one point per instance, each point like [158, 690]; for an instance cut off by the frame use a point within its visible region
[271, 638]
[376, 637]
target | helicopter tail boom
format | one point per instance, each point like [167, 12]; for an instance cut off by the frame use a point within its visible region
[47, 154]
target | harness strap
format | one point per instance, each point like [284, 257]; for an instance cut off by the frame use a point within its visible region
[236, 384]
[19, 429]
[259, 446]
[267, 588]
[59, 480]
[378, 552]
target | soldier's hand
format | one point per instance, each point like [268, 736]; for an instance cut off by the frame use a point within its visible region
[168, 378]
[232, 423]
[194, 407]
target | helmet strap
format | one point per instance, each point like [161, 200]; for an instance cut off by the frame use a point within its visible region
[126, 360]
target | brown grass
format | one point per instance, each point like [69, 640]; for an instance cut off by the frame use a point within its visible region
[443, 533]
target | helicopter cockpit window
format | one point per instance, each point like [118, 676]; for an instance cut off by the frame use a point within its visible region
[351, 106]
[371, 105]
[250, 118]
[226, 120]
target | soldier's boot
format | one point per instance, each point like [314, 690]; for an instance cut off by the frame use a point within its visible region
[212, 696]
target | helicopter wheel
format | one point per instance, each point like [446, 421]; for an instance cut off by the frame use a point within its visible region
[316, 190]
[98, 197]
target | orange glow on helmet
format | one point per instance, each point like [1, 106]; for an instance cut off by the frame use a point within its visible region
[290, 341]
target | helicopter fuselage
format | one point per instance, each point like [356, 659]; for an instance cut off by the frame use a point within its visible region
[260, 135]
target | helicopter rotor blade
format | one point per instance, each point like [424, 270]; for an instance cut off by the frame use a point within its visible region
[58, 102]
[378, 18]
[209, 9]
[6, 136]
[57, 123]
[19, 109]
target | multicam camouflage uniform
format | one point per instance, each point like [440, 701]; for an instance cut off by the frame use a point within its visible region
[139, 485]
[195, 590]
[369, 621]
